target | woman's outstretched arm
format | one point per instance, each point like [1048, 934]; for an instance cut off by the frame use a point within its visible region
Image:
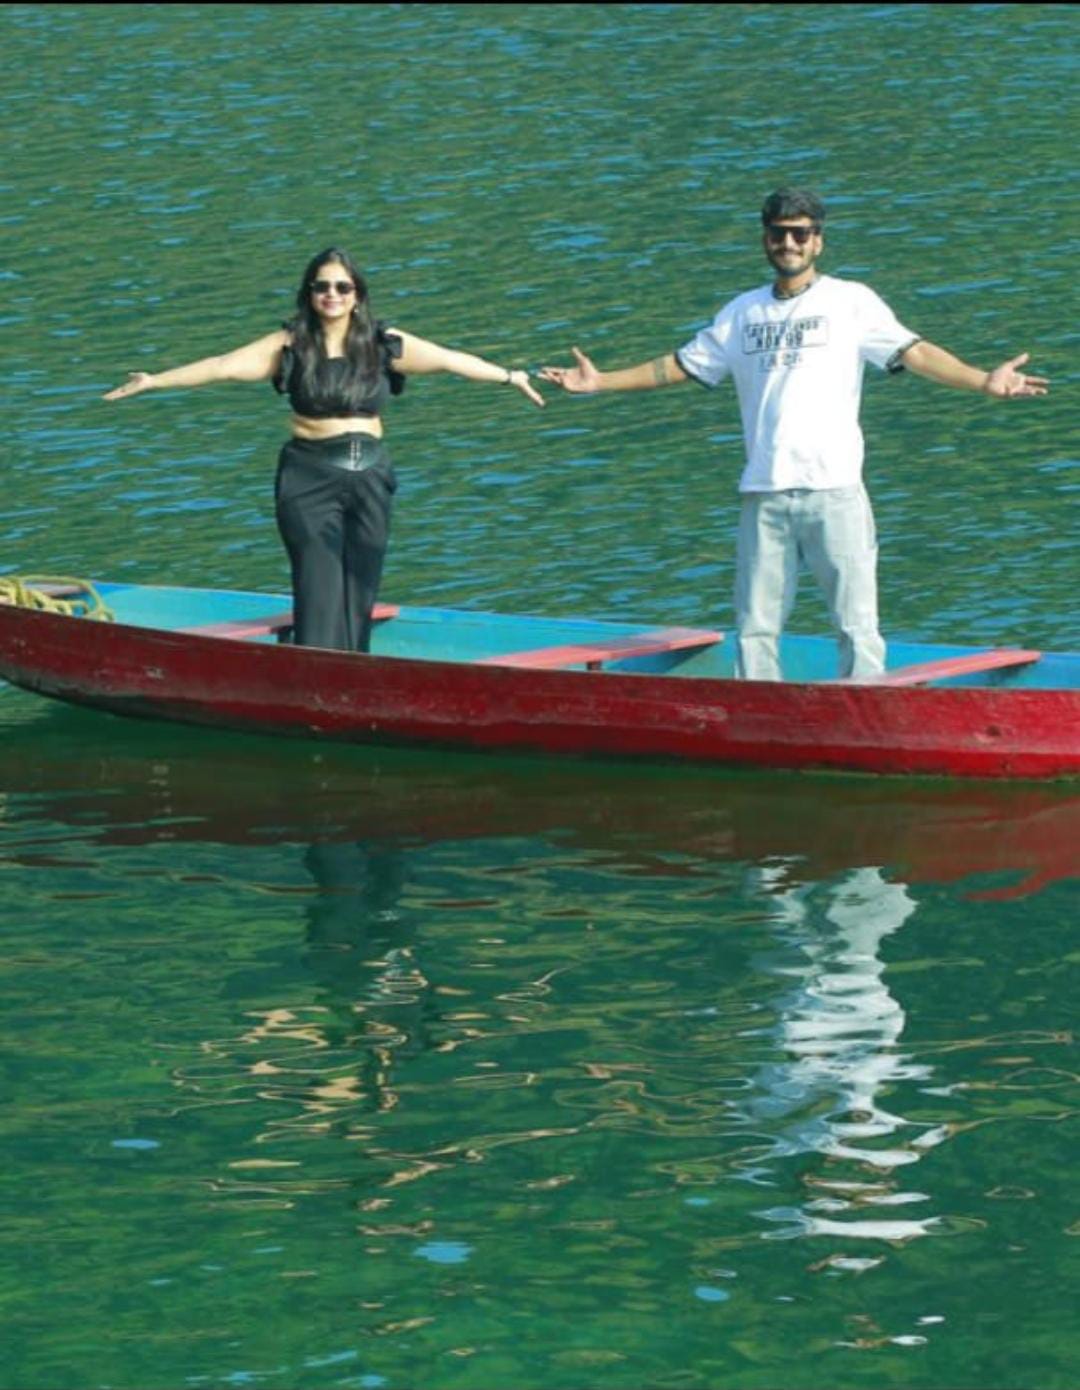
[419, 356]
[257, 361]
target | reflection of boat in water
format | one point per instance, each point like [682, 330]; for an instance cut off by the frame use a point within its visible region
[825, 1088]
[134, 784]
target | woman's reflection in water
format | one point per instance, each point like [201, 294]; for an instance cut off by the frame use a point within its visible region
[839, 1027]
[361, 954]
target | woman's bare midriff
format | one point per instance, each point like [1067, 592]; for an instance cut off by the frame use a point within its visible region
[303, 428]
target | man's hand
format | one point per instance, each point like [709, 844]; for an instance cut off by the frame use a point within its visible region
[1005, 381]
[580, 380]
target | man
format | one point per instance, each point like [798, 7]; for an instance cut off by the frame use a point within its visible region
[797, 349]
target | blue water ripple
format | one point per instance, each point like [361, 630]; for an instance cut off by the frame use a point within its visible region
[444, 1252]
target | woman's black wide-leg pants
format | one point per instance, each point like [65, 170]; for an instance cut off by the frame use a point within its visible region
[333, 511]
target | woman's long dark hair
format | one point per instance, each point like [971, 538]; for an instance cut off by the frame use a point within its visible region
[361, 339]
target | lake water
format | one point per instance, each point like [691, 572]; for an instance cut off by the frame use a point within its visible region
[383, 1069]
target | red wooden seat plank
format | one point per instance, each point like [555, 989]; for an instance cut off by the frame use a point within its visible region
[592, 654]
[262, 627]
[924, 671]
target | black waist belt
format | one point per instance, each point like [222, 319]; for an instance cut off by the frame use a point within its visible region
[352, 452]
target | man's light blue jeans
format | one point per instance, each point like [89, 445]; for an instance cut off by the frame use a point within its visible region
[831, 532]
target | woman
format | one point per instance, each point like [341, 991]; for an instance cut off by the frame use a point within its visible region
[339, 366]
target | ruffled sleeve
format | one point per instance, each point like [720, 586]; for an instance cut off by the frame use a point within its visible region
[283, 374]
[390, 346]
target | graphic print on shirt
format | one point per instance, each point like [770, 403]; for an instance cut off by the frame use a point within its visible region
[782, 345]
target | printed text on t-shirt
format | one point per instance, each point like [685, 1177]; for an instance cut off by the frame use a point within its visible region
[791, 333]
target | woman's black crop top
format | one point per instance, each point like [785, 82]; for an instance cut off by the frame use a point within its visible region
[330, 400]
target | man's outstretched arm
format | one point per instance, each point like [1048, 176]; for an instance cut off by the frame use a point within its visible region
[584, 379]
[934, 363]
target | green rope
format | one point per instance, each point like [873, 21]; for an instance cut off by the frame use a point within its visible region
[76, 598]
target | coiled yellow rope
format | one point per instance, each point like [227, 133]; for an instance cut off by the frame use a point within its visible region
[77, 598]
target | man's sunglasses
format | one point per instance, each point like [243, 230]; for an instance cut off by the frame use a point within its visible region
[343, 287]
[800, 235]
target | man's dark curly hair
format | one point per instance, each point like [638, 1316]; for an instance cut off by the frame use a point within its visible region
[793, 202]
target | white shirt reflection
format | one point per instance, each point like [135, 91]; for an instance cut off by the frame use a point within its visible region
[840, 1027]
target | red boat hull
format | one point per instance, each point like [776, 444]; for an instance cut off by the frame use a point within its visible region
[263, 688]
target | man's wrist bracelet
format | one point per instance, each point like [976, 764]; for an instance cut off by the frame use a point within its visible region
[509, 377]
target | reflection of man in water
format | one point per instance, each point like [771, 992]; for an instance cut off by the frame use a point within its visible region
[839, 1027]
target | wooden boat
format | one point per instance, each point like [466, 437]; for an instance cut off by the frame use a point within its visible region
[497, 682]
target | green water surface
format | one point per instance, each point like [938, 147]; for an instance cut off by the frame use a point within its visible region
[367, 1069]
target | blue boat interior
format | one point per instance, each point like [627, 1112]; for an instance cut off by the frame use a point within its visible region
[461, 635]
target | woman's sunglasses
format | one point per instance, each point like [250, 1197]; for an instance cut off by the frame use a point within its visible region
[343, 287]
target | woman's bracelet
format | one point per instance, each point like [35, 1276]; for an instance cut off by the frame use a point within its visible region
[509, 377]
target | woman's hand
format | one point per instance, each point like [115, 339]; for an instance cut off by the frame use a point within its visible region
[136, 383]
[520, 379]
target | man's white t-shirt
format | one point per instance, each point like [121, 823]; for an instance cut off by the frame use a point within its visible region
[798, 366]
